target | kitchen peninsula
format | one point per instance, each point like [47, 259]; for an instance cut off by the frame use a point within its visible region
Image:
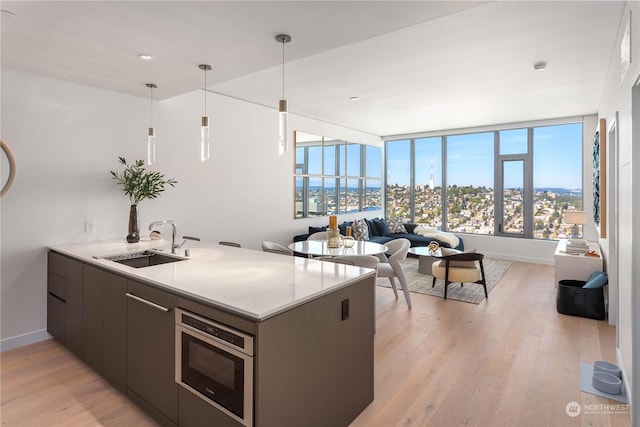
[306, 326]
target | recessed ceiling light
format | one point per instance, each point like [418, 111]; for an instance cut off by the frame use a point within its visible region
[354, 98]
[7, 13]
[540, 66]
[145, 57]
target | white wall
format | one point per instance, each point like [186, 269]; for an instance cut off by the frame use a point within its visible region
[66, 137]
[617, 97]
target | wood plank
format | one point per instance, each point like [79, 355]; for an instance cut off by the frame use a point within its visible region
[44, 384]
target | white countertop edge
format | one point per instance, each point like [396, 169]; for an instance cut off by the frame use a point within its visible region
[270, 313]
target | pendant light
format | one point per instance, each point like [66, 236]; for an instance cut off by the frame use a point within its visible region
[151, 135]
[204, 135]
[282, 105]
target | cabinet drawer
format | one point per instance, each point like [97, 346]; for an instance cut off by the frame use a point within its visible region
[57, 286]
[56, 318]
[57, 264]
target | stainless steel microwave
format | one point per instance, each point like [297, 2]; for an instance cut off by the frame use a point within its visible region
[215, 362]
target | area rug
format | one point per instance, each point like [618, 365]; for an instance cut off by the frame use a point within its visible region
[470, 292]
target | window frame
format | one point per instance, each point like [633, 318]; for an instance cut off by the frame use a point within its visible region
[499, 159]
[342, 178]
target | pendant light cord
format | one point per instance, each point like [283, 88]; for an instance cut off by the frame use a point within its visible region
[205, 92]
[151, 108]
[283, 68]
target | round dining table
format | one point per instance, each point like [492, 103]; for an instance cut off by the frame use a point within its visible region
[319, 248]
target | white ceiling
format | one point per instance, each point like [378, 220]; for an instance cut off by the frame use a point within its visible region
[416, 66]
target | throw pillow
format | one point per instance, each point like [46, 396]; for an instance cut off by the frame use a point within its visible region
[381, 226]
[372, 229]
[462, 264]
[316, 229]
[596, 280]
[410, 227]
[343, 227]
[360, 230]
[396, 225]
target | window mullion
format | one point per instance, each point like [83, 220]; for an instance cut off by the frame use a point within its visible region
[412, 181]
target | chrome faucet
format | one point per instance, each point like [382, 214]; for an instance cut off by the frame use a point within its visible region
[173, 234]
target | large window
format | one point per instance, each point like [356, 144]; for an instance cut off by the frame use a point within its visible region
[469, 180]
[510, 182]
[399, 198]
[557, 178]
[335, 177]
[428, 181]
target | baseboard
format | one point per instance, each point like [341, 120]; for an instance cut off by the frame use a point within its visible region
[626, 380]
[517, 258]
[25, 339]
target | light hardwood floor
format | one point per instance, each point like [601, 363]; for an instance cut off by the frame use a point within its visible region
[509, 361]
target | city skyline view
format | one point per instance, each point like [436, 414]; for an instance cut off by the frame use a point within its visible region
[484, 187]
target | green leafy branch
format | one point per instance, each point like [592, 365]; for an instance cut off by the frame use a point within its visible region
[139, 183]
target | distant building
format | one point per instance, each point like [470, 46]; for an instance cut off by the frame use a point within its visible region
[432, 184]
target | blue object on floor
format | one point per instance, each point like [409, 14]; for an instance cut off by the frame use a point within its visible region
[586, 377]
[597, 280]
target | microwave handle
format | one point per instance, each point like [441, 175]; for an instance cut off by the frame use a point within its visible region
[144, 301]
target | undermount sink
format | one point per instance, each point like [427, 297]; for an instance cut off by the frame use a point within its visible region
[143, 259]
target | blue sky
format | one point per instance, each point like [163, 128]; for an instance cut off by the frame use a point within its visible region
[557, 159]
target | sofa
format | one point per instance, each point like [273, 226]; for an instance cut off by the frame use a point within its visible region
[379, 232]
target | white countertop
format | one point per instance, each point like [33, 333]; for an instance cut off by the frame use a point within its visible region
[247, 282]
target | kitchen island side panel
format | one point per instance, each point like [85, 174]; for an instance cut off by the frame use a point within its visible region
[312, 367]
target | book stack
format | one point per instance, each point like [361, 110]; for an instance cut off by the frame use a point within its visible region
[577, 246]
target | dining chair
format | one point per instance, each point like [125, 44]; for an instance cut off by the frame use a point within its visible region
[319, 235]
[366, 261]
[396, 253]
[234, 244]
[465, 267]
[275, 248]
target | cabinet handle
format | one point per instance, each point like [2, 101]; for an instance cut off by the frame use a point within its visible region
[144, 301]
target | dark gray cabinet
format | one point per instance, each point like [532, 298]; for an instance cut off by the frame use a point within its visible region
[64, 300]
[195, 412]
[313, 366]
[73, 325]
[151, 351]
[56, 322]
[104, 339]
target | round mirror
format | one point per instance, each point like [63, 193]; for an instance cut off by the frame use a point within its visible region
[7, 168]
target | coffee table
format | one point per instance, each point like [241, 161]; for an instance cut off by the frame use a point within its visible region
[426, 258]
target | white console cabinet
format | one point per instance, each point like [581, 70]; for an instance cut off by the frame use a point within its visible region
[575, 267]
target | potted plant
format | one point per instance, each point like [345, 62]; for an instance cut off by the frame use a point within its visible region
[139, 183]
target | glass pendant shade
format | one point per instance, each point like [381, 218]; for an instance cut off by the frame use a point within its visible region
[204, 139]
[205, 130]
[151, 146]
[282, 112]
